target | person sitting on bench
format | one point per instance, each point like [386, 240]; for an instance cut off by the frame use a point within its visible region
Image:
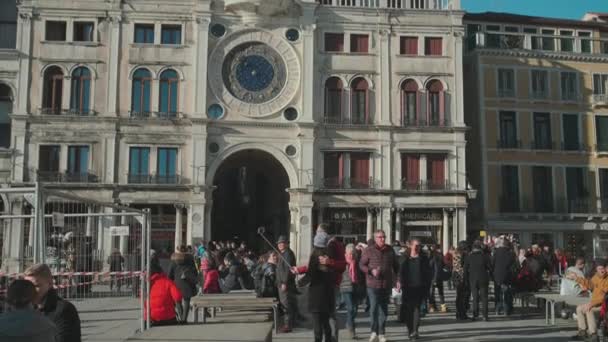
[585, 313]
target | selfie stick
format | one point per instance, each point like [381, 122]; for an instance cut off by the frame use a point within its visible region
[261, 231]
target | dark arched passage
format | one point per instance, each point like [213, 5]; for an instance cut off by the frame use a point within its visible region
[250, 193]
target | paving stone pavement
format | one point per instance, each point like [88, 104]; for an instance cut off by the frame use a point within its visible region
[530, 327]
[108, 319]
[116, 319]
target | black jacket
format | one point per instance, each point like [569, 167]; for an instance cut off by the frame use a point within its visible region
[503, 263]
[425, 268]
[64, 315]
[284, 275]
[436, 262]
[322, 283]
[233, 278]
[477, 268]
[183, 273]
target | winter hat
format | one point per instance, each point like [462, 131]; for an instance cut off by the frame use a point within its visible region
[321, 240]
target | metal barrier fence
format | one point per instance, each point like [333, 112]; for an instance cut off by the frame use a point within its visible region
[94, 249]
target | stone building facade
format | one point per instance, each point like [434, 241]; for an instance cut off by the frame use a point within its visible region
[222, 116]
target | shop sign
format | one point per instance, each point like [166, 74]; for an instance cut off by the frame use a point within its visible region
[422, 216]
[421, 233]
[589, 226]
[346, 215]
[119, 231]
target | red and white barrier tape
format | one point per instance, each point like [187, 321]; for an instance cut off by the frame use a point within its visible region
[70, 274]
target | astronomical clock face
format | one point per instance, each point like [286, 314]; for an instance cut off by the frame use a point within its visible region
[254, 73]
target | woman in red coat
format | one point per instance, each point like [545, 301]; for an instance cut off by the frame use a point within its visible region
[212, 279]
[164, 297]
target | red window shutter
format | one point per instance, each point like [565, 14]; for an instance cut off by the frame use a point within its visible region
[334, 42]
[359, 163]
[436, 171]
[408, 46]
[433, 46]
[340, 168]
[413, 169]
[359, 43]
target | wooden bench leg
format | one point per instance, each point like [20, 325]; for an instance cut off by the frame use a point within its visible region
[275, 313]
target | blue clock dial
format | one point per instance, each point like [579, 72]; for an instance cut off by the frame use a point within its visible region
[254, 73]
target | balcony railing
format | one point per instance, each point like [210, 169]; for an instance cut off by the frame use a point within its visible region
[155, 115]
[66, 177]
[600, 99]
[337, 120]
[509, 204]
[574, 146]
[391, 4]
[67, 112]
[601, 147]
[153, 179]
[347, 183]
[508, 144]
[428, 185]
[423, 122]
[506, 92]
[582, 205]
[542, 145]
[538, 42]
[539, 95]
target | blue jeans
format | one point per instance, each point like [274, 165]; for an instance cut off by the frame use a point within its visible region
[504, 298]
[352, 305]
[378, 308]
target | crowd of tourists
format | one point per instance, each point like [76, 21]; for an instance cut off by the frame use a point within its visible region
[410, 274]
[337, 276]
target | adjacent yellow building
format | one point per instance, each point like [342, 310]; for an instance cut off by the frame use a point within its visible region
[536, 99]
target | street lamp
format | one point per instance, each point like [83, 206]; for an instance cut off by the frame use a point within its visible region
[471, 193]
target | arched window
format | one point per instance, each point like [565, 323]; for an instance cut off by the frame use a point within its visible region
[52, 92]
[6, 107]
[333, 100]
[80, 94]
[360, 101]
[140, 94]
[436, 103]
[169, 93]
[409, 103]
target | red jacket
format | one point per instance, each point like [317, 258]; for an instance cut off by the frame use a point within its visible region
[212, 282]
[337, 260]
[163, 296]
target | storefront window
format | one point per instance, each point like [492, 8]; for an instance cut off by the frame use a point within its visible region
[348, 223]
[574, 246]
[542, 239]
[425, 225]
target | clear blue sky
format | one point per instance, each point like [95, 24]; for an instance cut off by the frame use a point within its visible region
[570, 9]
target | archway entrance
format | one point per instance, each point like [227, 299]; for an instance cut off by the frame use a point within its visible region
[250, 193]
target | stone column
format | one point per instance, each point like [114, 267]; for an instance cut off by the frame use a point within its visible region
[445, 243]
[24, 46]
[308, 72]
[386, 224]
[293, 229]
[200, 61]
[124, 240]
[196, 223]
[304, 242]
[398, 225]
[113, 21]
[383, 90]
[462, 223]
[178, 225]
[207, 226]
[369, 230]
[90, 220]
[12, 248]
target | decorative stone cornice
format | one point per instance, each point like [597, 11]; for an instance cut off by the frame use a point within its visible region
[574, 57]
